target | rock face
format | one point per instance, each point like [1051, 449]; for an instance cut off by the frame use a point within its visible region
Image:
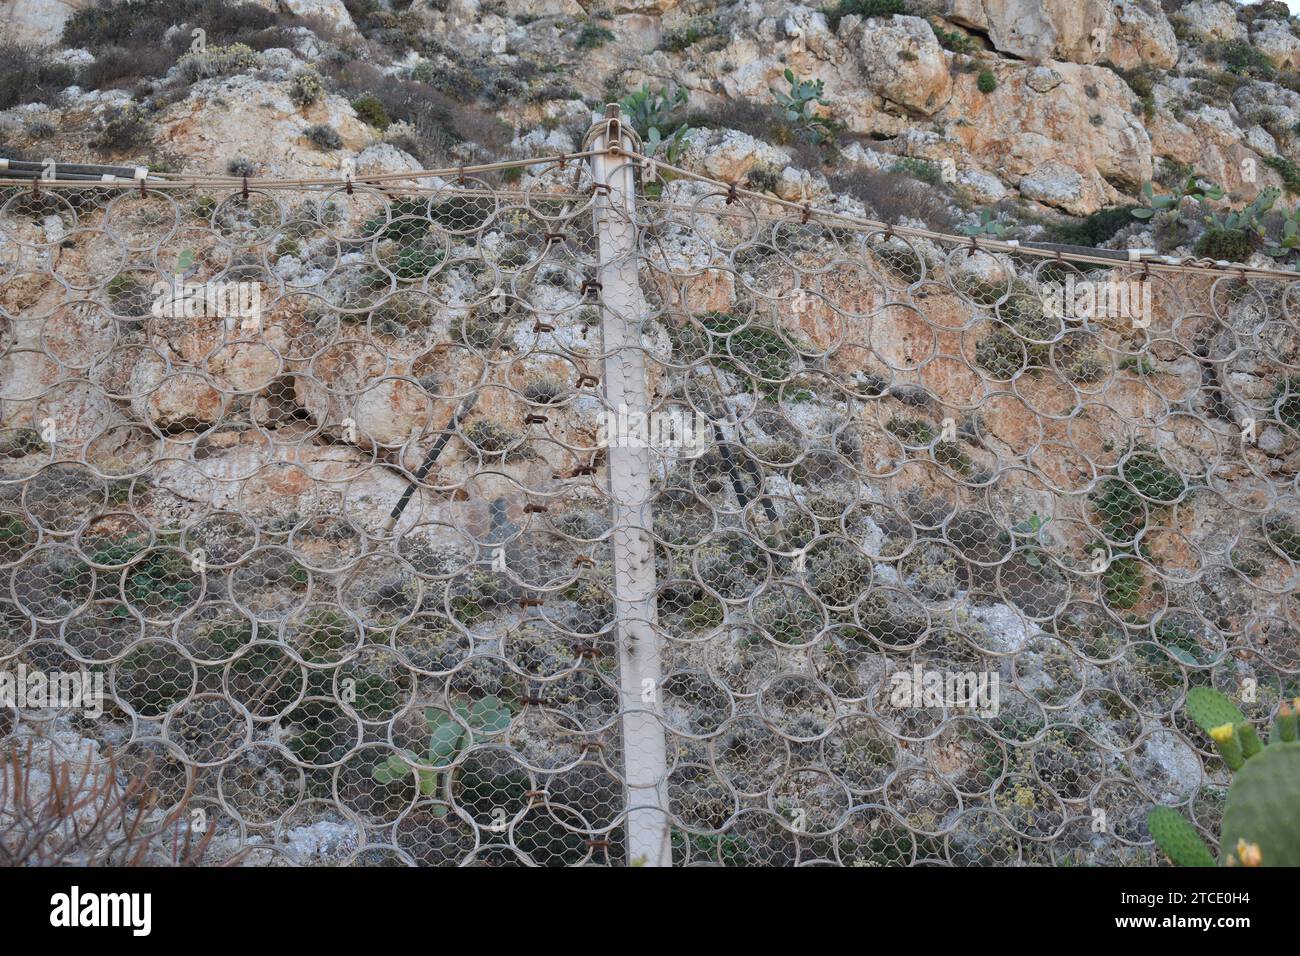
[37, 22]
[1129, 33]
[267, 128]
[903, 62]
[1143, 36]
[1213, 19]
[1274, 39]
[1040, 29]
[1042, 121]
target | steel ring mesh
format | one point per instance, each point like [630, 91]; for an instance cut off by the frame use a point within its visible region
[908, 466]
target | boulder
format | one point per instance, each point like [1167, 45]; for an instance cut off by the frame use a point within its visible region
[1274, 39]
[904, 63]
[729, 154]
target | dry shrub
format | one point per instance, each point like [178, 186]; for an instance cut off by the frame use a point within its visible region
[58, 811]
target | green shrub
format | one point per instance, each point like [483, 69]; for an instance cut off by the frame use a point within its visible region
[760, 354]
[306, 88]
[217, 61]
[123, 128]
[1092, 230]
[26, 76]
[924, 170]
[911, 431]
[1289, 172]
[698, 29]
[1231, 245]
[1147, 473]
[592, 36]
[1242, 58]
[1142, 82]
[241, 166]
[987, 82]
[324, 137]
[864, 8]
[1123, 582]
[954, 41]
[370, 110]
[1282, 534]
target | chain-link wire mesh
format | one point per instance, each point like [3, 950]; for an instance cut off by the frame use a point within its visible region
[933, 561]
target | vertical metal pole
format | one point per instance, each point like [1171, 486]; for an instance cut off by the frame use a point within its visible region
[626, 389]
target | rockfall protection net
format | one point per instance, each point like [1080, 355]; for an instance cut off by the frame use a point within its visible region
[442, 522]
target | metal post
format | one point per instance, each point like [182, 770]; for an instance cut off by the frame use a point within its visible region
[626, 389]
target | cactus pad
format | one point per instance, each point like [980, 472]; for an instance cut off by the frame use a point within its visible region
[1178, 838]
[1209, 709]
[1264, 806]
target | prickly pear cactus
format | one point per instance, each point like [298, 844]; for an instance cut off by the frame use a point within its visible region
[1263, 806]
[1211, 709]
[1178, 838]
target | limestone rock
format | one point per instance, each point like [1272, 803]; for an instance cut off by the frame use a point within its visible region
[37, 22]
[1075, 30]
[331, 11]
[1213, 19]
[903, 62]
[1084, 122]
[253, 118]
[1143, 36]
[729, 154]
[1274, 39]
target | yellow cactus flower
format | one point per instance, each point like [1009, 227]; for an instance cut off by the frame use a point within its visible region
[1221, 734]
[1249, 853]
